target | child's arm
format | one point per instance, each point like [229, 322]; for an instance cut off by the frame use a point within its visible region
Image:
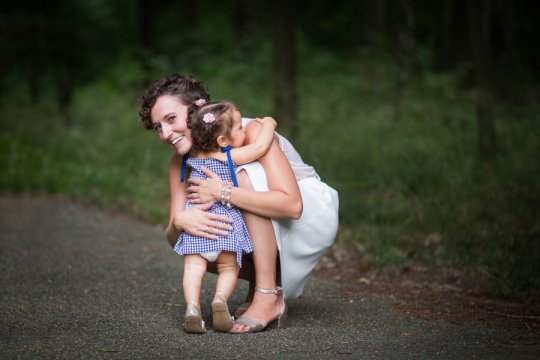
[259, 147]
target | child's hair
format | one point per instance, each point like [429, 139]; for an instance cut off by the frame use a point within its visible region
[205, 133]
[183, 87]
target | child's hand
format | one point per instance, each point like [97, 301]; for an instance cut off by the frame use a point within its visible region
[268, 119]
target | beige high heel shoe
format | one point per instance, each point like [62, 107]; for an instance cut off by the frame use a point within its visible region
[278, 322]
[223, 321]
[193, 322]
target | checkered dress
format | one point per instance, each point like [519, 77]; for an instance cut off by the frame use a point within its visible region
[237, 240]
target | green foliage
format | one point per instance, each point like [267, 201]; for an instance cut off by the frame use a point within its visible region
[409, 189]
[105, 158]
[415, 188]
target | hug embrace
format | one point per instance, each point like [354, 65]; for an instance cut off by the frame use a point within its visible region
[242, 204]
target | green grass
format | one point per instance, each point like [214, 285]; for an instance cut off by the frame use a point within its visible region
[401, 183]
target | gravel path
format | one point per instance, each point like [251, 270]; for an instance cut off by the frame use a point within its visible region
[78, 282]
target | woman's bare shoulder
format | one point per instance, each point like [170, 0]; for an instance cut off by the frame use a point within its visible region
[253, 126]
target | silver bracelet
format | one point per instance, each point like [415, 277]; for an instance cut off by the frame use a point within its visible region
[226, 194]
[223, 194]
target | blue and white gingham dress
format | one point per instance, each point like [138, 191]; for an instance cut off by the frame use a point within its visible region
[237, 240]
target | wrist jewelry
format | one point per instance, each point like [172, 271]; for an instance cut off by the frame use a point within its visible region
[226, 194]
[222, 194]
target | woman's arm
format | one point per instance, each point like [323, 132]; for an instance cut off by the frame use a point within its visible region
[258, 147]
[282, 201]
[195, 219]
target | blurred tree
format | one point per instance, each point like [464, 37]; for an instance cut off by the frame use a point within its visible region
[479, 13]
[244, 16]
[448, 33]
[403, 21]
[46, 46]
[332, 25]
[174, 29]
[61, 44]
[147, 15]
[284, 66]
[373, 20]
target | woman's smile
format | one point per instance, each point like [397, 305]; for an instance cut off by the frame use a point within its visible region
[177, 139]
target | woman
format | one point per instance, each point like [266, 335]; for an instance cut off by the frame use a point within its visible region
[268, 189]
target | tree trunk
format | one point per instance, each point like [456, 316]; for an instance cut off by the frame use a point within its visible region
[147, 9]
[284, 67]
[64, 87]
[244, 24]
[33, 71]
[373, 22]
[448, 29]
[404, 55]
[479, 17]
[442, 27]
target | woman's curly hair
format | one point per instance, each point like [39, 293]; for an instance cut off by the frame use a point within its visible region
[184, 87]
[205, 134]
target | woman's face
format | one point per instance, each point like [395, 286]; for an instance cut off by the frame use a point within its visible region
[169, 117]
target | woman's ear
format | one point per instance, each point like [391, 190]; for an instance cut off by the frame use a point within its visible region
[222, 141]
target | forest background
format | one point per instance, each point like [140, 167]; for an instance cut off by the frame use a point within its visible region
[424, 115]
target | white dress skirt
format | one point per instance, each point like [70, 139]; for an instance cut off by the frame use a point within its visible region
[301, 243]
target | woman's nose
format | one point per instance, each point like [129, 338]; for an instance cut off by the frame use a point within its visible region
[165, 130]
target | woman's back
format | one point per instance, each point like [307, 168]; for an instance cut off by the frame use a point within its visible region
[300, 168]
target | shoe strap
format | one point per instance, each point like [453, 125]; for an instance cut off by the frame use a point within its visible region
[192, 308]
[276, 291]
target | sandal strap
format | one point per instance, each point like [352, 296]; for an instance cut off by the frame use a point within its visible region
[276, 291]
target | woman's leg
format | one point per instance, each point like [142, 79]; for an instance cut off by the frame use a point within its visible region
[194, 269]
[247, 272]
[264, 307]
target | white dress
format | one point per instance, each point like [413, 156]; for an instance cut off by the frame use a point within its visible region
[301, 243]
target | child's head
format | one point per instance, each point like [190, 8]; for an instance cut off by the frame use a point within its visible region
[214, 125]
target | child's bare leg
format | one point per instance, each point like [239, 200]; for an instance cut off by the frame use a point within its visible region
[194, 269]
[247, 272]
[227, 274]
[227, 269]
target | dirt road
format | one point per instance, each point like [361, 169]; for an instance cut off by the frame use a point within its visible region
[78, 282]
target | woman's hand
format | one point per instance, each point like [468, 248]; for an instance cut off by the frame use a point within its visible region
[205, 191]
[198, 222]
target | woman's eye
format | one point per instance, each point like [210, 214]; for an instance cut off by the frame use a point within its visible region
[171, 119]
[157, 128]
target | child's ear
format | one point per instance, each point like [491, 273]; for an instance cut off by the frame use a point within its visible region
[222, 141]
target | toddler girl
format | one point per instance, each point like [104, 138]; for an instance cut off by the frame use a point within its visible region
[218, 138]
